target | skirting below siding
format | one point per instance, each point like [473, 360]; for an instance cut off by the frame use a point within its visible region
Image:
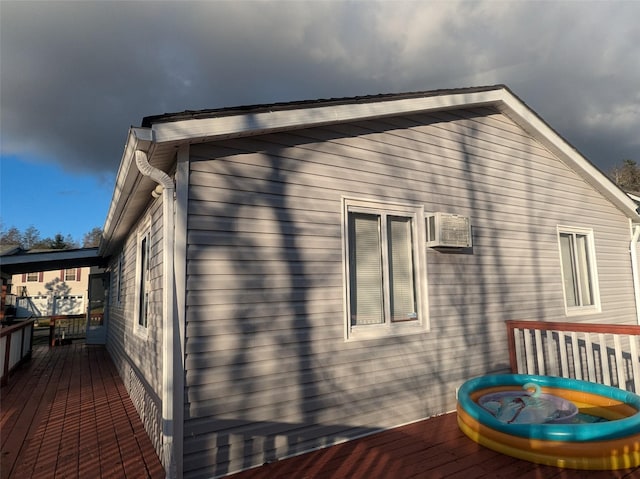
[147, 404]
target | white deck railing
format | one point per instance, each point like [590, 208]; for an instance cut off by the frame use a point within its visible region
[601, 353]
[15, 347]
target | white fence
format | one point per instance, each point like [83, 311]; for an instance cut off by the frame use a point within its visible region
[15, 347]
[601, 353]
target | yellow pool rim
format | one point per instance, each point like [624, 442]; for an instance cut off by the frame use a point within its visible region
[621, 450]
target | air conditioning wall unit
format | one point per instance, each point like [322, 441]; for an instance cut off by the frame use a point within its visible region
[446, 230]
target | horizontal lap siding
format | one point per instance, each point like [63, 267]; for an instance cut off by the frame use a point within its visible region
[138, 359]
[268, 372]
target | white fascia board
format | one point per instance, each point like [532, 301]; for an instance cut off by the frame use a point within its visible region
[532, 123]
[127, 173]
[209, 129]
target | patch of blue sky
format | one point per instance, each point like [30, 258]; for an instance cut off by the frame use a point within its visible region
[52, 199]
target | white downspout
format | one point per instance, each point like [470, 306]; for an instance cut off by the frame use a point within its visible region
[634, 268]
[168, 300]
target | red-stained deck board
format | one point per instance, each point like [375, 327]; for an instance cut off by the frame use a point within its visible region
[67, 414]
[434, 448]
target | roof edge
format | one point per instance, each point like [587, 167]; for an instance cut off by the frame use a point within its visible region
[149, 121]
[239, 123]
[212, 125]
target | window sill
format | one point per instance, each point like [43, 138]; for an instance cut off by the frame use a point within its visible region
[141, 331]
[364, 333]
[582, 311]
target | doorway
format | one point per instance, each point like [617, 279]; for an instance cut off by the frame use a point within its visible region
[97, 316]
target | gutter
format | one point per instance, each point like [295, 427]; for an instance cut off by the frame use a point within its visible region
[634, 268]
[172, 373]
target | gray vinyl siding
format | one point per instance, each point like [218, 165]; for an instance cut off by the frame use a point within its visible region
[139, 359]
[268, 371]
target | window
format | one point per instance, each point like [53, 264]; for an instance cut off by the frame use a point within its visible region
[120, 278]
[142, 303]
[31, 277]
[579, 275]
[71, 274]
[385, 273]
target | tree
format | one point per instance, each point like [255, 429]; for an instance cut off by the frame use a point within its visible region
[60, 242]
[30, 237]
[627, 176]
[12, 236]
[71, 243]
[92, 238]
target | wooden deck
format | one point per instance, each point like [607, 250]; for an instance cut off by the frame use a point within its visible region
[429, 449]
[66, 414]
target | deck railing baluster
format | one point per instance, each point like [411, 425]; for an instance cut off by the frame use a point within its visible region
[15, 347]
[635, 364]
[583, 346]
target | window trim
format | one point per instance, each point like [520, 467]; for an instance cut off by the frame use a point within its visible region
[596, 307]
[142, 288]
[70, 274]
[388, 328]
[120, 278]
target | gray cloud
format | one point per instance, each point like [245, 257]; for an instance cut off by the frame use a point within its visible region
[76, 75]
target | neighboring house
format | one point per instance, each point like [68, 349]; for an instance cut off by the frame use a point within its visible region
[46, 293]
[7, 298]
[45, 282]
[276, 280]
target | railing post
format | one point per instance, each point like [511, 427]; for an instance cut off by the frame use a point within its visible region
[6, 334]
[511, 341]
[7, 358]
[52, 331]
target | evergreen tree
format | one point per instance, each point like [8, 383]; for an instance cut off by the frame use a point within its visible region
[59, 242]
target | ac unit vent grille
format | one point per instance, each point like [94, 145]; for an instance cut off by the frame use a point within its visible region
[448, 231]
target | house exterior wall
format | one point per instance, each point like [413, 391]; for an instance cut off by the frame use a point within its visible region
[136, 352]
[51, 292]
[268, 370]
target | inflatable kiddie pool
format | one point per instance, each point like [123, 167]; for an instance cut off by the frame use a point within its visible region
[584, 426]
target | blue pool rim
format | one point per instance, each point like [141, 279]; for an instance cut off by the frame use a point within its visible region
[552, 432]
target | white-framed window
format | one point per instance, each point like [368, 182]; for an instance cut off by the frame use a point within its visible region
[579, 271]
[120, 277]
[385, 269]
[143, 282]
[33, 277]
[72, 274]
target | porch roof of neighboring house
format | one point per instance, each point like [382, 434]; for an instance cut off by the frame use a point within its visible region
[17, 260]
[161, 136]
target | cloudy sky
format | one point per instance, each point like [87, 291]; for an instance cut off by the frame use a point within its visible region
[75, 75]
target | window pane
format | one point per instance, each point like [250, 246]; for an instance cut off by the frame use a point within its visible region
[120, 277]
[365, 269]
[568, 269]
[143, 299]
[584, 271]
[401, 278]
